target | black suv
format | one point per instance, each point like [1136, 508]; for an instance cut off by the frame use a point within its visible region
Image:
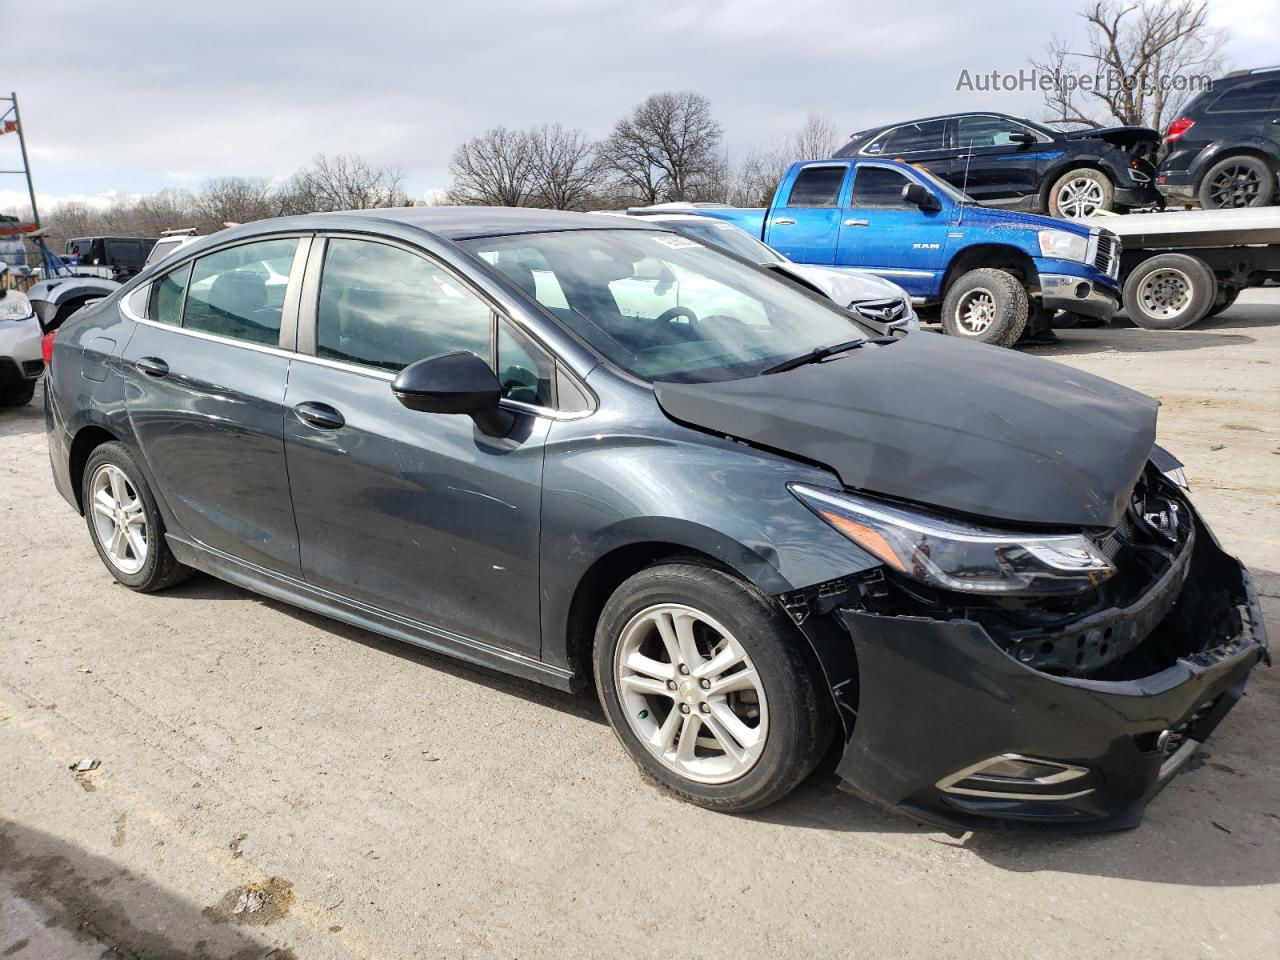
[115, 258]
[1007, 161]
[1224, 150]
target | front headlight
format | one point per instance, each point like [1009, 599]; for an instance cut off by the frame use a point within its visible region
[14, 305]
[954, 555]
[1062, 245]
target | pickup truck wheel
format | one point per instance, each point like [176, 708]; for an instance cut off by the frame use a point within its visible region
[1169, 292]
[1240, 181]
[1081, 193]
[986, 305]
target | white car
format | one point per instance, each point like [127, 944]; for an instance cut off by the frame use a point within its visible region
[20, 361]
[865, 294]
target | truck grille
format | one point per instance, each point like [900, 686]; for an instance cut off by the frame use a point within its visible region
[1107, 255]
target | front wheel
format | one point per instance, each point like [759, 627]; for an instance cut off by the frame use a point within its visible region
[1081, 193]
[1170, 291]
[712, 692]
[987, 305]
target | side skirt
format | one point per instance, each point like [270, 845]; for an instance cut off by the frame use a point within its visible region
[279, 587]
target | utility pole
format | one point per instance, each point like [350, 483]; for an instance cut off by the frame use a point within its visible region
[22, 147]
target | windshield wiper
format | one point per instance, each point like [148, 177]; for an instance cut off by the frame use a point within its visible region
[813, 356]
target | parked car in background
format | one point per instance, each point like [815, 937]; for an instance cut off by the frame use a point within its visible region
[750, 530]
[990, 271]
[1224, 149]
[171, 241]
[1009, 161]
[112, 258]
[873, 298]
[20, 360]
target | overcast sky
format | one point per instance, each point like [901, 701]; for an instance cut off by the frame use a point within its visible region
[131, 101]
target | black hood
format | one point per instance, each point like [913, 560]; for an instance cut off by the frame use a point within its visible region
[973, 429]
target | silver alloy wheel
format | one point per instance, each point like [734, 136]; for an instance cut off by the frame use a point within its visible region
[691, 693]
[1165, 293]
[976, 311]
[119, 520]
[1079, 197]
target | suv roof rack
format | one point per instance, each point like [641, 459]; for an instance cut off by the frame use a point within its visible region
[179, 232]
[1245, 73]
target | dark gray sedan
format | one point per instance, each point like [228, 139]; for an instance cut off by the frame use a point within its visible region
[588, 451]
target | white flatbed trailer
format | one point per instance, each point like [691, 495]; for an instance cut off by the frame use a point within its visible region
[1178, 268]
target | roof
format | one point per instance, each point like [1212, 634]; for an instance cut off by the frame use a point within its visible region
[464, 223]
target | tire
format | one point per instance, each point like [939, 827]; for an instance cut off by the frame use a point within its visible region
[1226, 297]
[793, 721]
[17, 393]
[1239, 181]
[987, 305]
[1081, 192]
[152, 568]
[1170, 291]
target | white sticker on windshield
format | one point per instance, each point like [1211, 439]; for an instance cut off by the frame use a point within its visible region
[724, 226]
[677, 243]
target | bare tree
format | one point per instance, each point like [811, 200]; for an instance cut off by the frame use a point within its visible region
[343, 182]
[236, 200]
[818, 139]
[1148, 56]
[760, 171]
[666, 149]
[494, 168]
[564, 170]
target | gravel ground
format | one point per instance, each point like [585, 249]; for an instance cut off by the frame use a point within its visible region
[274, 784]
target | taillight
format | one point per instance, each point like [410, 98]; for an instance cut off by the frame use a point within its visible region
[46, 346]
[1178, 128]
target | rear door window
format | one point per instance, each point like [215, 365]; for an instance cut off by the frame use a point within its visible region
[165, 304]
[239, 292]
[1244, 97]
[914, 138]
[817, 187]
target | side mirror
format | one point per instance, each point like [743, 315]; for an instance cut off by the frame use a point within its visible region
[457, 382]
[653, 270]
[920, 195]
[1022, 138]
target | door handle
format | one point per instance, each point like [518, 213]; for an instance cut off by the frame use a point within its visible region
[857, 223]
[783, 221]
[153, 366]
[319, 415]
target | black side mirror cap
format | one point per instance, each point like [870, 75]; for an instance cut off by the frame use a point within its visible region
[921, 196]
[458, 382]
[1022, 138]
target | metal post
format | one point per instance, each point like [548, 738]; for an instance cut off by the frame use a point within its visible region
[26, 165]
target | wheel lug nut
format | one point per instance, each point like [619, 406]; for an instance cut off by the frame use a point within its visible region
[706, 684]
[671, 684]
[705, 707]
[684, 668]
[684, 708]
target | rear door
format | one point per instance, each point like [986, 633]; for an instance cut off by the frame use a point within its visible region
[924, 142]
[882, 233]
[805, 225]
[206, 371]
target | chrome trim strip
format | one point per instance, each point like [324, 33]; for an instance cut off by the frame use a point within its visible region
[215, 338]
[893, 272]
[1067, 772]
[1175, 761]
[996, 795]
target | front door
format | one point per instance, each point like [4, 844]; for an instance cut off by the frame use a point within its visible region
[885, 235]
[418, 514]
[205, 390]
[806, 225]
[991, 166]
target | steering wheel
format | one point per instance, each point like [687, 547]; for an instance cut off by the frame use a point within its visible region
[668, 315]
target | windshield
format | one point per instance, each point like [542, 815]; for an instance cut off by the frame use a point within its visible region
[727, 237]
[664, 307]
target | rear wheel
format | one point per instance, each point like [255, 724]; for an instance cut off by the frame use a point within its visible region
[1238, 182]
[1169, 292]
[1081, 193]
[987, 305]
[124, 522]
[709, 688]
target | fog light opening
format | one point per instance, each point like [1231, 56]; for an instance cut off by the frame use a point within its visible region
[1012, 776]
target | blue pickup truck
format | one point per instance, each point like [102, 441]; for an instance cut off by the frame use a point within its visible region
[992, 271]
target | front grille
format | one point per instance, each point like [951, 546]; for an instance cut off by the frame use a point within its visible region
[1107, 255]
[886, 311]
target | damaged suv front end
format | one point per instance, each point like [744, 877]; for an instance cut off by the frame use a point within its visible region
[1035, 706]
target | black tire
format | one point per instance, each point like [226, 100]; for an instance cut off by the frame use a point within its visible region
[1239, 181]
[1170, 291]
[1226, 297]
[799, 709]
[160, 568]
[1008, 298]
[1093, 188]
[17, 393]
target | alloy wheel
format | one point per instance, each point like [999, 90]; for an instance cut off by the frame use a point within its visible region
[691, 694]
[1079, 197]
[1165, 293]
[119, 519]
[1235, 186]
[976, 311]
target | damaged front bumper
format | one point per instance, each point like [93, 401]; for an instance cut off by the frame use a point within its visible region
[952, 727]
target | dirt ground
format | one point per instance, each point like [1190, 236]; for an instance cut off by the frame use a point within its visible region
[274, 784]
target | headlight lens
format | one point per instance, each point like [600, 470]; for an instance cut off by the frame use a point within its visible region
[1178, 475]
[954, 555]
[1062, 245]
[14, 305]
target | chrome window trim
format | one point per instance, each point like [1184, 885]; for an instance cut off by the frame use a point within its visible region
[213, 337]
